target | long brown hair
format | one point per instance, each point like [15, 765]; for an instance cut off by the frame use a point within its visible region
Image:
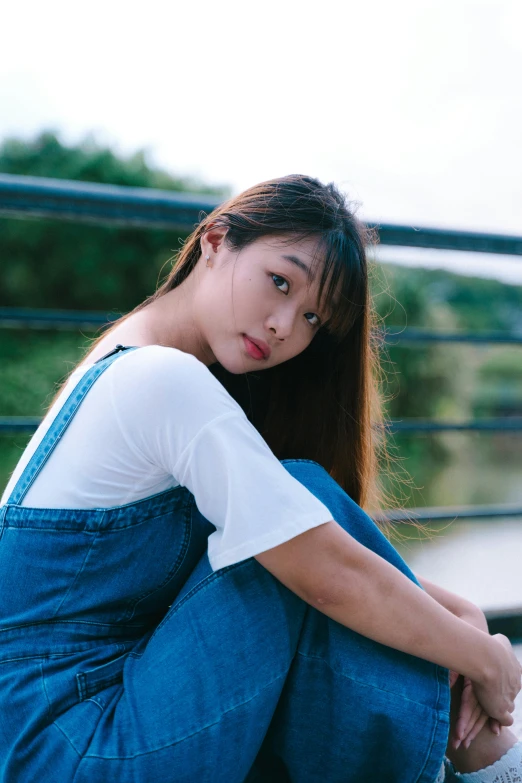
[326, 403]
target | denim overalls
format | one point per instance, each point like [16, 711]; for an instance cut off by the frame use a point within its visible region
[125, 659]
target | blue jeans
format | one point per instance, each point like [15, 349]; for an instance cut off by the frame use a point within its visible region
[125, 659]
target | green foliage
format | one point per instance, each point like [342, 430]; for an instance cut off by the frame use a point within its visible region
[478, 303]
[503, 366]
[33, 365]
[434, 378]
[499, 384]
[445, 380]
[462, 302]
[46, 156]
[58, 264]
[418, 381]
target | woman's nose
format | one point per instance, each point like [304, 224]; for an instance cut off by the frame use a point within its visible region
[281, 325]
[276, 333]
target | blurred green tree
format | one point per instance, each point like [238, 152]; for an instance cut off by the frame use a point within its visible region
[58, 264]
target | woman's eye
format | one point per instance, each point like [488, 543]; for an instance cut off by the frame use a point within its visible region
[316, 322]
[280, 281]
[276, 278]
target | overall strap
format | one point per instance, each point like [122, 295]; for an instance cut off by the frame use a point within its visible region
[61, 422]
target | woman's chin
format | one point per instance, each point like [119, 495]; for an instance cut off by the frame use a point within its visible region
[237, 366]
[238, 362]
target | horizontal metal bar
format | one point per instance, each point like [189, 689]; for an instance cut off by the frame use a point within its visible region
[446, 514]
[449, 239]
[414, 335]
[27, 318]
[45, 197]
[507, 424]
[507, 621]
[24, 318]
[19, 424]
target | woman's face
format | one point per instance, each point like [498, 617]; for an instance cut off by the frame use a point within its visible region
[262, 293]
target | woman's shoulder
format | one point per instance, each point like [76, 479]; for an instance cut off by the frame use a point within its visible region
[158, 359]
[159, 375]
[161, 361]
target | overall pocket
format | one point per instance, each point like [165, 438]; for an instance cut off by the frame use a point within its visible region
[92, 681]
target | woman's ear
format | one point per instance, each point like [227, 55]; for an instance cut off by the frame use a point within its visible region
[212, 239]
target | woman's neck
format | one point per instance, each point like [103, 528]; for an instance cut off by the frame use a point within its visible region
[166, 321]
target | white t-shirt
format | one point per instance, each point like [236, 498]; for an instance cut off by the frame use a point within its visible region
[157, 418]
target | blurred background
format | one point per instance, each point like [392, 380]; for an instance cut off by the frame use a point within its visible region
[413, 109]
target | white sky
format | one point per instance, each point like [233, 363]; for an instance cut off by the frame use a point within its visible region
[413, 108]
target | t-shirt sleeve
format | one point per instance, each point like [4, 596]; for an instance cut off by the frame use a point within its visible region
[177, 414]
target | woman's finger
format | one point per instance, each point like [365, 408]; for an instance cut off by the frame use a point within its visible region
[479, 725]
[475, 715]
[466, 722]
[469, 709]
[494, 725]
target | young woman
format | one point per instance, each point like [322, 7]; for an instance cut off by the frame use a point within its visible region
[191, 589]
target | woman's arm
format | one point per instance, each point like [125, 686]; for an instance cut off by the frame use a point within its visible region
[455, 604]
[469, 722]
[351, 584]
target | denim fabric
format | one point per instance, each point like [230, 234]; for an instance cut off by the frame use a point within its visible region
[125, 659]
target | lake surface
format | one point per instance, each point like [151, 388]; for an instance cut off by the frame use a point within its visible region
[480, 468]
[479, 559]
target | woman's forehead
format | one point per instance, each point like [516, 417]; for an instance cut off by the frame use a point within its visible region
[305, 254]
[308, 246]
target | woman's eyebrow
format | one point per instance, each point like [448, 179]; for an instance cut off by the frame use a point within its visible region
[301, 264]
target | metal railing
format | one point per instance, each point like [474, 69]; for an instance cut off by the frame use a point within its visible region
[41, 197]
[22, 196]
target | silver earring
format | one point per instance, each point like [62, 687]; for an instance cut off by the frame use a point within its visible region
[208, 258]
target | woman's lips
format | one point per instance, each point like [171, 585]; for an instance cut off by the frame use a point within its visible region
[254, 350]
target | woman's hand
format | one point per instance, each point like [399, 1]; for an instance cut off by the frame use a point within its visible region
[472, 718]
[494, 695]
[497, 692]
